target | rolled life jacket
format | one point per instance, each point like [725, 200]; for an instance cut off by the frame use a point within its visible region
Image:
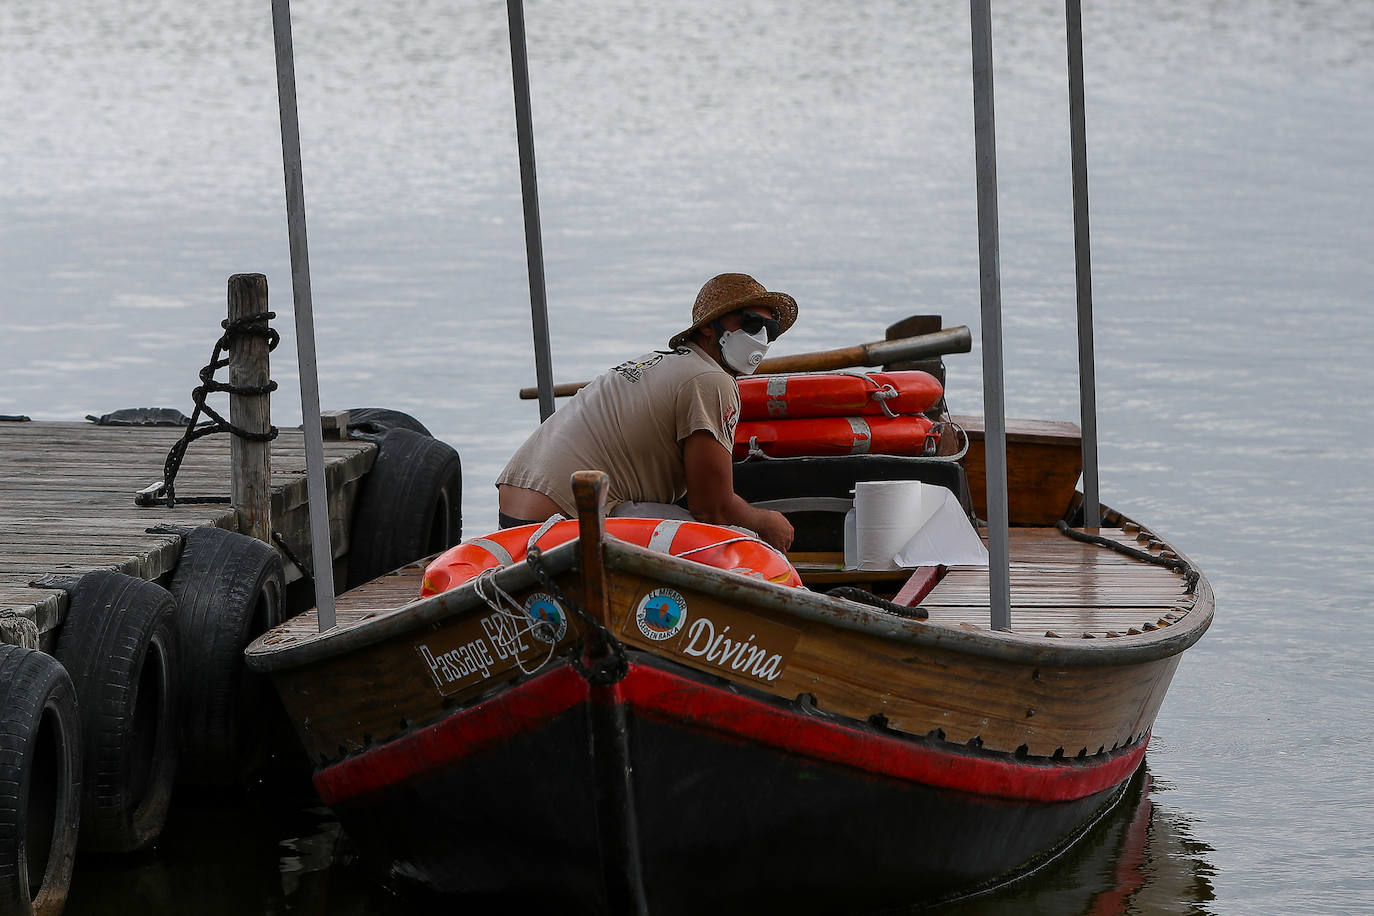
[838, 413]
[837, 394]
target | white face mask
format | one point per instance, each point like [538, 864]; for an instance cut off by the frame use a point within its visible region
[743, 352]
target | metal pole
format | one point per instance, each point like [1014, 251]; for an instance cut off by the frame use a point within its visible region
[990, 286]
[1083, 272]
[321, 553]
[529, 189]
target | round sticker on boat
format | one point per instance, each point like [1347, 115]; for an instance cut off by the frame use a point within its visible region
[661, 614]
[550, 623]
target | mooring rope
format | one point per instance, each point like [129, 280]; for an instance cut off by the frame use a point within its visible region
[849, 593]
[291, 555]
[254, 325]
[615, 666]
[1177, 564]
[519, 620]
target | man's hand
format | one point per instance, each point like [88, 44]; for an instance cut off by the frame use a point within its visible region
[711, 493]
[775, 529]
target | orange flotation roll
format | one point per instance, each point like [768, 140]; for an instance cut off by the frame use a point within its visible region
[837, 394]
[836, 436]
[712, 545]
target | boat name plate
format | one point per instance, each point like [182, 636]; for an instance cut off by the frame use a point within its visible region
[712, 635]
[478, 648]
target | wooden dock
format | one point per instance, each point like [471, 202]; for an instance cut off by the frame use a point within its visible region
[67, 503]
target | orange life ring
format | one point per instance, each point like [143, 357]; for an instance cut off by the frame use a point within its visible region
[713, 545]
[835, 436]
[837, 394]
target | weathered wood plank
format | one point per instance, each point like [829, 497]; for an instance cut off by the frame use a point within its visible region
[1044, 459]
[67, 502]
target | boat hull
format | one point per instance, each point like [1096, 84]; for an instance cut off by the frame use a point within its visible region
[733, 802]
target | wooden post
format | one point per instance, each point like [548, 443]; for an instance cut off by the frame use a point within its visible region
[589, 491]
[250, 462]
[915, 326]
[617, 821]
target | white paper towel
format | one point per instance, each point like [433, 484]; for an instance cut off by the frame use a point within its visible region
[948, 538]
[888, 513]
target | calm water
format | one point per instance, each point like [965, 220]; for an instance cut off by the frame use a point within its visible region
[825, 148]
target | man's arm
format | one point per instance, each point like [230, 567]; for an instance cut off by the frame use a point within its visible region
[711, 493]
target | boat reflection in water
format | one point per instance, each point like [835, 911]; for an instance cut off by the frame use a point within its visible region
[1141, 858]
[268, 857]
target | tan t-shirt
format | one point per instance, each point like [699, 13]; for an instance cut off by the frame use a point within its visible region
[630, 423]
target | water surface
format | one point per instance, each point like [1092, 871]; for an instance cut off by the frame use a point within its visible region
[825, 148]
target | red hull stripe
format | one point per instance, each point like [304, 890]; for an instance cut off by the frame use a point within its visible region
[520, 709]
[670, 698]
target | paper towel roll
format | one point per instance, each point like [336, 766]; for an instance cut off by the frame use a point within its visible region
[887, 514]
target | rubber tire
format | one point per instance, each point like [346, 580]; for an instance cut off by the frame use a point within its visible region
[40, 782]
[119, 645]
[409, 505]
[373, 423]
[228, 589]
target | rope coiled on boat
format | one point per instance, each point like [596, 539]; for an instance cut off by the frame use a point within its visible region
[849, 593]
[1177, 564]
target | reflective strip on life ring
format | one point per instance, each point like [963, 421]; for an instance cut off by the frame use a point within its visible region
[837, 394]
[498, 552]
[712, 545]
[835, 436]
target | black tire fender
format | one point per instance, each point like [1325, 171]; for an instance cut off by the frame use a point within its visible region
[409, 505]
[373, 423]
[228, 589]
[40, 782]
[119, 645]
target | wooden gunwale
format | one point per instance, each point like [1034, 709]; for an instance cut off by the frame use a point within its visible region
[297, 643]
[1003, 691]
[1015, 647]
[364, 683]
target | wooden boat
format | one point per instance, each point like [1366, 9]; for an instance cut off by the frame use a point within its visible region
[792, 749]
[876, 740]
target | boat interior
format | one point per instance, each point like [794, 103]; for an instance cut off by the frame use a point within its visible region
[1061, 587]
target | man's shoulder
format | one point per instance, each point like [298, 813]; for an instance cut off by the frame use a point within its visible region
[633, 370]
[682, 364]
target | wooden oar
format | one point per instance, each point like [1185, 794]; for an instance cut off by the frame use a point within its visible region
[877, 353]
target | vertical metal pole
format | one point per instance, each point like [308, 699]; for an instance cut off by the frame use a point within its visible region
[321, 553]
[529, 189]
[990, 286]
[1083, 272]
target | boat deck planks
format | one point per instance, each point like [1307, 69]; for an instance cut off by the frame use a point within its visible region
[1066, 587]
[1058, 585]
[67, 502]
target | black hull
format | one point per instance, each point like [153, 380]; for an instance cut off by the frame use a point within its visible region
[735, 804]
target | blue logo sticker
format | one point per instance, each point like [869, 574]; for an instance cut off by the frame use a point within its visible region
[550, 623]
[661, 614]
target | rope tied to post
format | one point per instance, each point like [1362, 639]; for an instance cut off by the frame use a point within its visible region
[254, 325]
[610, 668]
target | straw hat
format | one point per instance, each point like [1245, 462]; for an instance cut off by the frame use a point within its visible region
[731, 292]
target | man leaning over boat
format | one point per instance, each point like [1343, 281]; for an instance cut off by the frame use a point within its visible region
[661, 426]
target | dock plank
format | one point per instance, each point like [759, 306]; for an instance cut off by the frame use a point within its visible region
[67, 501]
